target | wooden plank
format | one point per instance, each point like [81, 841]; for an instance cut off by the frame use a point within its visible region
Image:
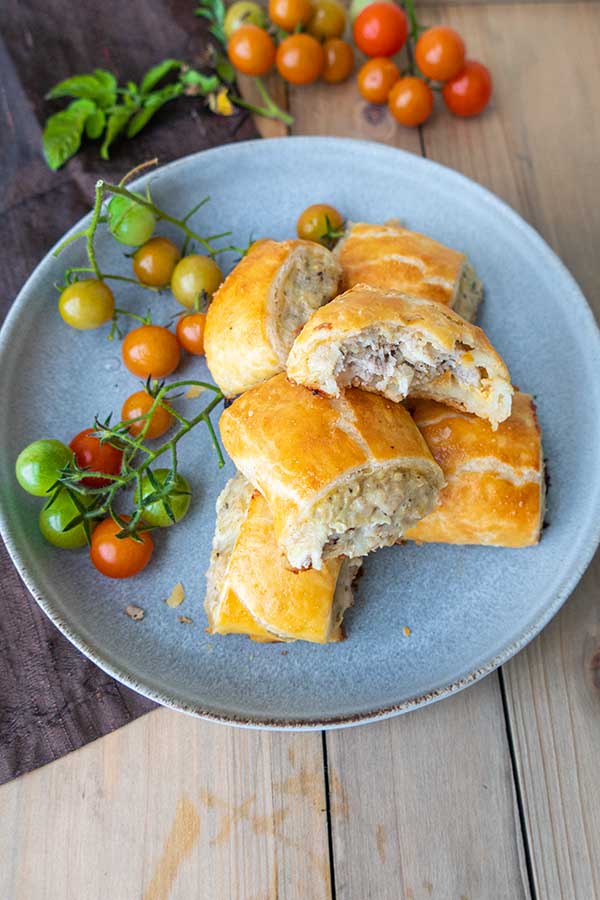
[171, 807]
[538, 150]
[431, 809]
[276, 87]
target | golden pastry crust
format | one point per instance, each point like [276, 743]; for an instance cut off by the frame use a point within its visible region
[246, 338]
[410, 347]
[252, 590]
[495, 488]
[299, 448]
[392, 258]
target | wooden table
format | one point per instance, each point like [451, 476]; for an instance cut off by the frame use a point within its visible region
[494, 793]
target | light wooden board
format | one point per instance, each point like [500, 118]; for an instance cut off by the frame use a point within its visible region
[539, 151]
[171, 808]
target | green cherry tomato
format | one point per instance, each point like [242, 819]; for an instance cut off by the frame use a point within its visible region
[86, 304]
[155, 513]
[244, 12]
[54, 520]
[194, 274]
[39, 464]
[130, 223]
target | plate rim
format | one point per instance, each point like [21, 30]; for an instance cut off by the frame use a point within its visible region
[568, 582]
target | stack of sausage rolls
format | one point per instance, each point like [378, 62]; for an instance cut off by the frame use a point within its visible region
[369, 411]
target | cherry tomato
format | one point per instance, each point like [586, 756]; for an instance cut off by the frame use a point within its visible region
[86, 304]
[150, 351]
[300, 59]
[119, 557]
[328, 19]
[440, 53]
[178, 499]
[380, 29]
[54, 520]
[90, 453]
[139, 404]
[339, 60]
[244, 12]
[190, 333]
[315, 223]
[376, 79]
[154, 261]
[289, 14]
[129, 222]
[251, 50]
[194, 275]
[469, 93]
[410, 101]
[39, 464]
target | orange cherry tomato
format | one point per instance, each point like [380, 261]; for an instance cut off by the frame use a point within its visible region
[376, 79]
[411, 101]
[90, 453]
[119, 557]
[139, 404]
[440, 53]
[380, 29]
[469, 93]
[154, 261]
[328, 19]
[300, 59]
[289, 14]
[190, 333]
[339, 60]
[251, 50]
[151, 351]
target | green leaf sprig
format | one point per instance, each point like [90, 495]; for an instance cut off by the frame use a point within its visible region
[138, 456]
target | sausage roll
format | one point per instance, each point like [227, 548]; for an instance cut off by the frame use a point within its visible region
[392, 258]
[400, 346]
[341, 477]
[260, 308]
[495, 486]
[251, 589]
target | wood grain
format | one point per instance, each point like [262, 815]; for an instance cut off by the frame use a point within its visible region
[170, 808]
[538, 150]
[431, 809]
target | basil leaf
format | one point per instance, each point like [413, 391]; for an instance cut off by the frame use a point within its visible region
[99, 86]
[152, 103]
[156, 73]
[63, 132]
[116, 122]
[95, 123]
[199, 83]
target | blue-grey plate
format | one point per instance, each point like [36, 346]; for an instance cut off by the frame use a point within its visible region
[469, 609]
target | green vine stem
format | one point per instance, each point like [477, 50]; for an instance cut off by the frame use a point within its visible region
[118, 436]
[270, 108]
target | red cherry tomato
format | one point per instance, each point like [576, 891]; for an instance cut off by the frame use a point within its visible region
[469, 93]
[440, 53]
[380, 29]
[99, 457]
[119, 557]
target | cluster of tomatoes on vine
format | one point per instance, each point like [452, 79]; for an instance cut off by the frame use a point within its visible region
[304, 40]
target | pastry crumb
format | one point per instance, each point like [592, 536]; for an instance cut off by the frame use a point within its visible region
[135, 612]
[185, 620]
[194, 391]
[176, 597]
[406, 631]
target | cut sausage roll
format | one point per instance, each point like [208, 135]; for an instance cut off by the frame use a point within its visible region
[260, 308]
[495, 485]
[392, 258]
[251, 589]
[400, 346]
[341, 477]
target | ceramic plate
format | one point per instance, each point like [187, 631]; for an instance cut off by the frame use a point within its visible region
[469, 609]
